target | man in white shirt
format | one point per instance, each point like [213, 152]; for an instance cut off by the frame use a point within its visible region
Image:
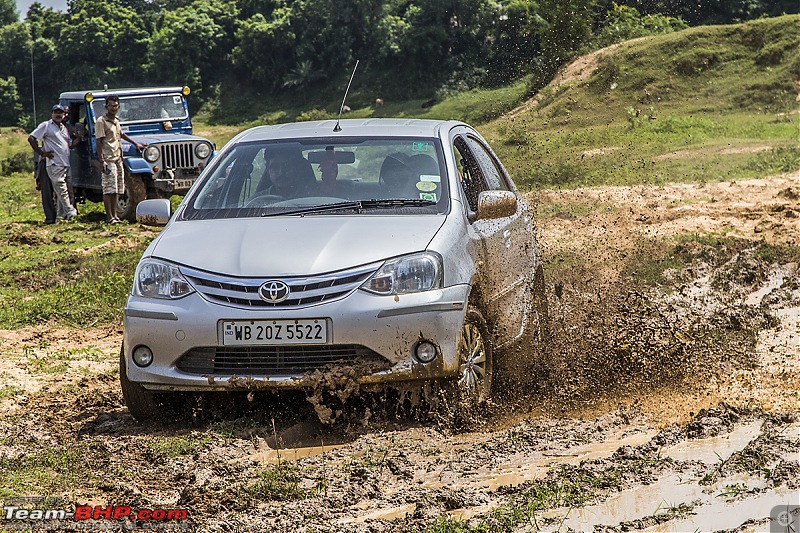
[55, 149]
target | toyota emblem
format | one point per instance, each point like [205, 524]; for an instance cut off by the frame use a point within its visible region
[273, 291]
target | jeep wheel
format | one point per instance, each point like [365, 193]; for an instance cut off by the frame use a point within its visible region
[142, 404]
[135, 192]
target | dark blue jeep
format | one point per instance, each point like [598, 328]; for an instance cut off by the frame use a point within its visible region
[158, 117]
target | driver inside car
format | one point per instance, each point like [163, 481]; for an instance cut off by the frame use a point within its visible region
[287, 178]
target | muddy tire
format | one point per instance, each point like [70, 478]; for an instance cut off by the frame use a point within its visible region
[475, 358]
[142, 404]
[135, 192]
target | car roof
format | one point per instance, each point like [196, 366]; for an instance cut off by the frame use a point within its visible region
[79, 95]
[370, 127]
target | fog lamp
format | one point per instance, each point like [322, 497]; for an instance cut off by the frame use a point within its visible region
[142, 356]
[425, 352]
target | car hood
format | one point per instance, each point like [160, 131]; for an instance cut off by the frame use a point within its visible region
[155, 138]
[293, 246]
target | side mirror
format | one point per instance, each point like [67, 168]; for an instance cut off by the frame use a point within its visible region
[496, 204]
[154, 212]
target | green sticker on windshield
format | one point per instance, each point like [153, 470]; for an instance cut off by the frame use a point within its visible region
[420, 146]
[428, 196]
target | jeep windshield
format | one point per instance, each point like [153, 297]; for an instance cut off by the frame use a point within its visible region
[145, 108]
[365, 176]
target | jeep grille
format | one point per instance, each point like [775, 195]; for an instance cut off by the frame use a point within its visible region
[178, 155]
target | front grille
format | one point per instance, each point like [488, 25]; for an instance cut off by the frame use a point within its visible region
[177, 155]
[304, 291]
[271, 360]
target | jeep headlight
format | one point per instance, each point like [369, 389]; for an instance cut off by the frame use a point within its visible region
[411, 273]
[151, 154]
[156, 279]
[202, 150]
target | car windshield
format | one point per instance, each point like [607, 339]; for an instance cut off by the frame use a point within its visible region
[323, 176]
[145, 108]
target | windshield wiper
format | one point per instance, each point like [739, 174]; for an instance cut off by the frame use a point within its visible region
[396, 202]
[357, 205]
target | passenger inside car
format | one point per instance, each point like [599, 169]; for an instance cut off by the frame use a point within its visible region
[397, 178]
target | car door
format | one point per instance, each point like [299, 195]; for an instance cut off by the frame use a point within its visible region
[505, 244]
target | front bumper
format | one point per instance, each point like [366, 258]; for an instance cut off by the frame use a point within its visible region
[387, 325]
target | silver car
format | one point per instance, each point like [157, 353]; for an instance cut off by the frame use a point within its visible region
[399, 251]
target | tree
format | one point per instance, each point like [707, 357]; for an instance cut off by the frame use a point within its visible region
[8, 12]
[103, 43]
[301, 76]
[193, 44]
[10, 106]
[257, 35]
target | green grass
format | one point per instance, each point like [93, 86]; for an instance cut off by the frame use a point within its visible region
[75, 273]
[701, 104]
[172, 446]
[278, 483]
[51, 471]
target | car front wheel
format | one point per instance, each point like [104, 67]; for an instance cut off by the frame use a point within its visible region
[142, 404]
[474, 384]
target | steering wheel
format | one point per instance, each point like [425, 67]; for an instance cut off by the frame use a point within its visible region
[263, 200]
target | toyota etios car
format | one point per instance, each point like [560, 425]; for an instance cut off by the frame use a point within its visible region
[399, 250]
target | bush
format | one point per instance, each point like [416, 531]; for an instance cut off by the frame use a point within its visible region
[314, 114]
[625, 23]
[696, 61]
[19, 162]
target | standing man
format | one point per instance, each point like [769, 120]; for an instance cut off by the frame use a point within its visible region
[73, 142]
[108, 133]
[55, 150]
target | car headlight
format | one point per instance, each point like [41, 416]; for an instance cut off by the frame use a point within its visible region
[156, 279]
[202, 150]
[151, 154]
[404, 275]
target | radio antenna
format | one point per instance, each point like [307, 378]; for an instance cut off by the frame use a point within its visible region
[337, 127]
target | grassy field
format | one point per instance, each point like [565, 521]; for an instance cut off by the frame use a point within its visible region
[705, 104]
[74, 273]
[708, 103]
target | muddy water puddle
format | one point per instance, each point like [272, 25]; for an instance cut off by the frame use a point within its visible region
[669, 494]
[727, 505]
[272, 456]
[714, 449]
[526, 467]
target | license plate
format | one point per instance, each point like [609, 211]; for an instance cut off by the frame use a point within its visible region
[270, 332]
[183, 184]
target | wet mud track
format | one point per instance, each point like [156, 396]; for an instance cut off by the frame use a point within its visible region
[664, 398]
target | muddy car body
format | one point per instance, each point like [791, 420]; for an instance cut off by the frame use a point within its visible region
[158, 117]
[405, 252]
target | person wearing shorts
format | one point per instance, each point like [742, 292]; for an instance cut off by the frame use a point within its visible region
[108, 133]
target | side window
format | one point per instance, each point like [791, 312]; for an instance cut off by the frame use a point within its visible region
[469, 173]
[491, 172]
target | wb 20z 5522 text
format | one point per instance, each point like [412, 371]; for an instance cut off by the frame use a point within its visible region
[314, 331]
